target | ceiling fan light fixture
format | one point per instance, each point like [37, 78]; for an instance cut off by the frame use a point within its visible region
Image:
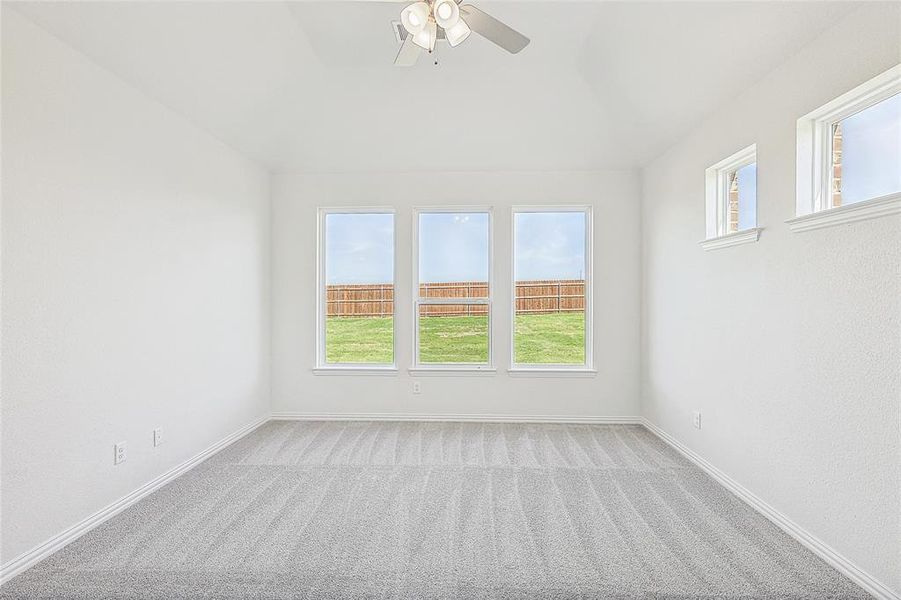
[456, 34]
[447, 13]
[415, 18]
[421, 19]
[427, 37]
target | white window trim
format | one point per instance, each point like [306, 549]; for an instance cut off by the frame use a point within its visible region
[325, 368]
[552, 371]
[450, 369]
[745, 236]
[555, 370]
[814, 158]
[356, 369]
[716, 201]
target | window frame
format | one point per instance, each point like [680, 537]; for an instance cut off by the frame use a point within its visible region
[717, 199]
[452, 368]
[813, 208]
[323, 367]
[552, 369]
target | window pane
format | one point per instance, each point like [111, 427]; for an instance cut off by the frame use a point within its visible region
[359, 274]
[741, 210]
[866, 153]
[747, 197]
[549, 269]
[453, 248]
[453, 333]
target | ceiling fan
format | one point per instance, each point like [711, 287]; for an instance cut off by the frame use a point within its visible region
[423, 19]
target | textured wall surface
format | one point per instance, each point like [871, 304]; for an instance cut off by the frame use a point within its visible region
[790, 347]
[614, 392]
[135, 288]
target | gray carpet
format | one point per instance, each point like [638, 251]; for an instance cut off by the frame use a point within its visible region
[437, 510]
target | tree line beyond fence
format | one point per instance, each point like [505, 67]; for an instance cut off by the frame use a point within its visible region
[544, 296]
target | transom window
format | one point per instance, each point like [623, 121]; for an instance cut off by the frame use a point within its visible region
[866, 153]
[452, 292]
[849, 156]
[731, 195]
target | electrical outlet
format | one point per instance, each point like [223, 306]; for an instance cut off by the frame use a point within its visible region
[158, 436]
[119, 453]
[696, 419]
[417, 387]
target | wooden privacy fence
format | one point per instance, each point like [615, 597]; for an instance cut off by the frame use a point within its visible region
[543, 296]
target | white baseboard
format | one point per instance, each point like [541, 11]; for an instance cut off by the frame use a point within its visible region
[455, 418]
[42, 551]
[810, 541]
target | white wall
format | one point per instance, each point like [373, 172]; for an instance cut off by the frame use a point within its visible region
[790, 347]
[614, 392]
[135, 287]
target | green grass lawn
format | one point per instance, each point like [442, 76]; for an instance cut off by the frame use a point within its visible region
[540, 339]
[550, 339]
[359, 340]
[453, 339]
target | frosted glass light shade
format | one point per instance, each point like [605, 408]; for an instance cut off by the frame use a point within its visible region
[426, 38]
[415, 18]
[456, 34]
[447, 14]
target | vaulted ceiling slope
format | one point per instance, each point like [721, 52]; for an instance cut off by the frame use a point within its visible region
[311, 85]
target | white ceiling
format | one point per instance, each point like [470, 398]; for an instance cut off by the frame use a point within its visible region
[311, 85]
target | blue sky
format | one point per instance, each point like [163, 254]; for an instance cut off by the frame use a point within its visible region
[453, 247]
[549, 245]
[359, 247]
[871, 152]
[747, 196]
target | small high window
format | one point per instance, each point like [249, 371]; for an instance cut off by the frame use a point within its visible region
[866, 153]
[731, 200]
[849, 156]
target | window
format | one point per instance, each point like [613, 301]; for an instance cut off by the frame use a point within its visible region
[453, 289]
[849, 156]
[731, 200]
[356, 289]
[551, 327]
[866, 153]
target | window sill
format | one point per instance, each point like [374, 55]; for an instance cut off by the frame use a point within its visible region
[868, 209]
[452, 371]
[355, 370]
[551, 372]
[747, 236]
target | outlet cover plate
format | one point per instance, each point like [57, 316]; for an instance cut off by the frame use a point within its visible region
[120, 453]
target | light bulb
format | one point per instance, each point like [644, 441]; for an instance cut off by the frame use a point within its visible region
[447, 13]
[415, 17]
[456, 34]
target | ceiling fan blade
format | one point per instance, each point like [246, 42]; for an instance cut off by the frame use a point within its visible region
[408, 53]
[493, 30]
